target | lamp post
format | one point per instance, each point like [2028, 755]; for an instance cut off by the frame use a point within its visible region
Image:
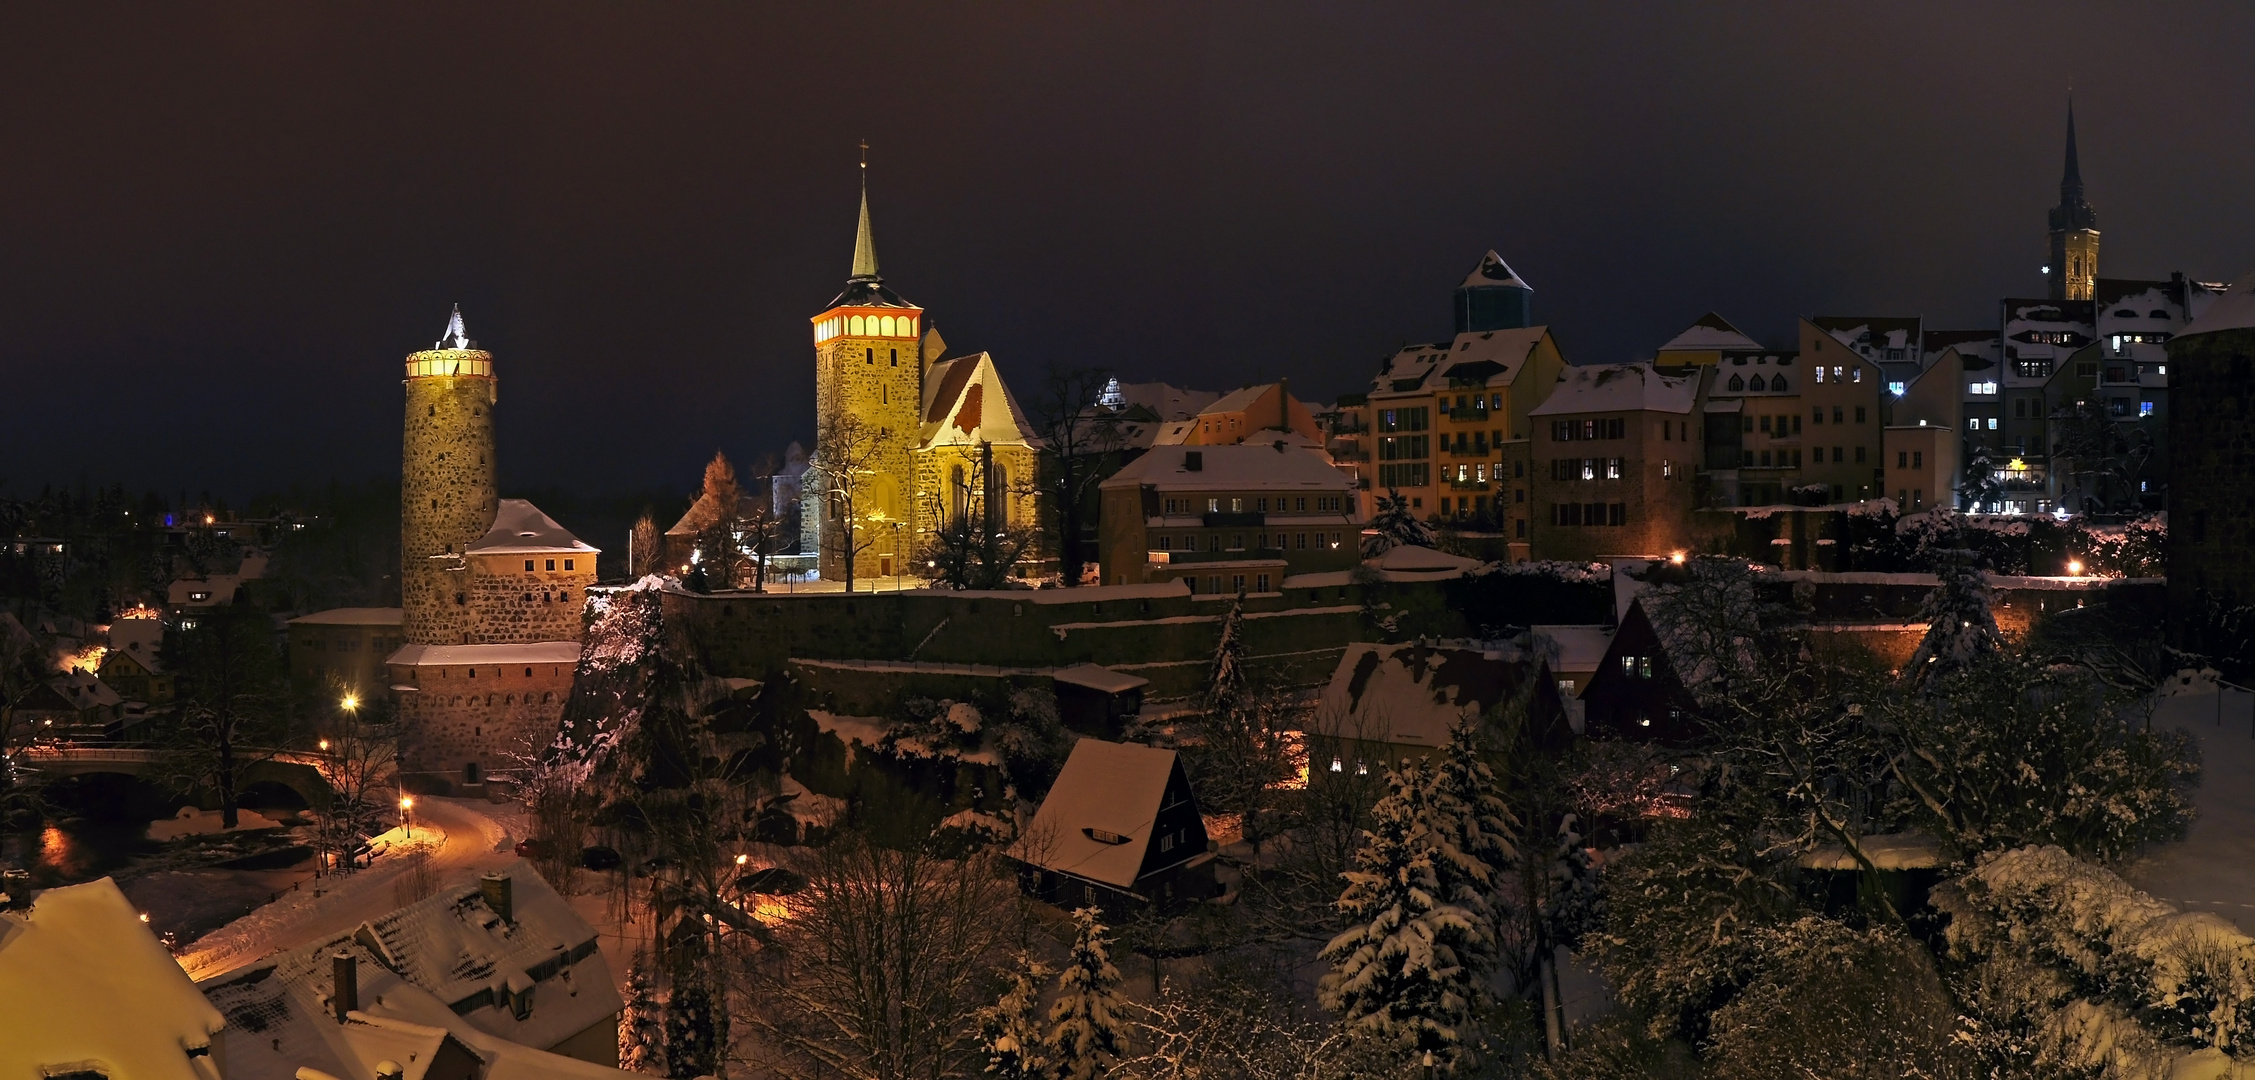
[407, 815]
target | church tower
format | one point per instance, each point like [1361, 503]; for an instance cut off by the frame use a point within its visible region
[447, 498]
[859, 501]
[2074, 231]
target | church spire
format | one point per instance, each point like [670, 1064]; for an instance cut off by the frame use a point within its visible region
[2073, 265]
[864, 245]
[2071, 181]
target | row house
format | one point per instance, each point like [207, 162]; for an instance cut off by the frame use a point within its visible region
[1228, 519]
[1617, 453]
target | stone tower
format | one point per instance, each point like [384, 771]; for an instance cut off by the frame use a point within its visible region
[447, 497]
[2074, 230]
[859, 500]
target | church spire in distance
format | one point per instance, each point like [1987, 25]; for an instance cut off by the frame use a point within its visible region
[2073, 265]
[864, 245]
[2072, 179]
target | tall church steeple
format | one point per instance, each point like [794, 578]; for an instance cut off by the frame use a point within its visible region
[865, 245]
[2073, 267]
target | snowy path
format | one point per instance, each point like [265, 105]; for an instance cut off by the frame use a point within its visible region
[2213, 869]
[475, 842]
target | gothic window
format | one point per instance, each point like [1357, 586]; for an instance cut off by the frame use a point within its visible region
[959, 493]
[1778, 384]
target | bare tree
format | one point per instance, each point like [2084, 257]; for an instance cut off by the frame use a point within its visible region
[359, 751]
[844, 465]
[882, 966]
[1082, 440]
[975, 546]
[234, 711]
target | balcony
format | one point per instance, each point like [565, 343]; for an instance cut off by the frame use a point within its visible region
[1470, 485]
[1222, 519]
[1472, 451]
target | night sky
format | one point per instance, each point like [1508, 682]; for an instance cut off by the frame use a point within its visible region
[222, 226]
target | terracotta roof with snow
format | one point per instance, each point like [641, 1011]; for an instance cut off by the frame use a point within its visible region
[519, 528]
[1427, 367]
[1245, 465]
[2235, 310]
[1105, 787]
[84, 986]
[1618, 388]
[1710, 332]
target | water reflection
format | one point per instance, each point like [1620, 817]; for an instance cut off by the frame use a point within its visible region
[77, 849]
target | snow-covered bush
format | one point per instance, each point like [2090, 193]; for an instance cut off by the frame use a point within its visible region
[1683, 918]
[1395, 525]
[1829, 1000]
[2093, 971]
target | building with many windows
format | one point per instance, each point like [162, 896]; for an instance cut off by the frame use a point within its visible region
[1228, 519]
[1616, 456]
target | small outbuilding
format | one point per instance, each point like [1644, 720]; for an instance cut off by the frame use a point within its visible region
[1120, 830]
[1097, 700]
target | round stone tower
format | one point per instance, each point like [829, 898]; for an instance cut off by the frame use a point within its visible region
[446, 489]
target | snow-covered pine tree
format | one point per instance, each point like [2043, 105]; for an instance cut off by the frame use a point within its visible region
[1398, 972]
[1008, 1029]
[1961, 627]
[642, 1033]
[1086, 1034]
[692, 1033]
[1978, 489]
[1225, 684]
[1396, 526]
[1474, 842]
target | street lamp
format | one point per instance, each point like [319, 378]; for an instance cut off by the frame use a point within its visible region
[407, 815]
[350, 702]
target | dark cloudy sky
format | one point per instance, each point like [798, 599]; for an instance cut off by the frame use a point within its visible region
[222, 226]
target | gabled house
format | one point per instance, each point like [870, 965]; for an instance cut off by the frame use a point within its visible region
[86, 989]
[1637, 693]
[1119, 830]
[1389, 702]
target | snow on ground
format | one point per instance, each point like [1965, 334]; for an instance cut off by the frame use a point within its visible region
[2213, 869]
[468, 841]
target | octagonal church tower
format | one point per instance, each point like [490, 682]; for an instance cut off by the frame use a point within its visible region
[446, 482]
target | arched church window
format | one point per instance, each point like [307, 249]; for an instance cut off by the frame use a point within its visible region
[1737, 383]
[959, 493]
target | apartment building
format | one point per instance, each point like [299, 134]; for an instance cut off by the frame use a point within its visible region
[1228, 519]
[1616, 452]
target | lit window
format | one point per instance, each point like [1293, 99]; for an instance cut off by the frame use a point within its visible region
[1338, 765]
[1992, 423]
[1972, 423]
[1896, 388]
[2145, 408]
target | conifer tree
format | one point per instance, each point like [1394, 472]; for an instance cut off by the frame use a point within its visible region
[692, 1031]
[641, 1028]
[1398, 974]
[1008, 1028]
[1961, 627]
[1396, 526]
[1473, 838]
[1225, 686]
[1086, 1034]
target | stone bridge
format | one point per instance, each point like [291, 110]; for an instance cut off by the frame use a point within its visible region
[299, 772]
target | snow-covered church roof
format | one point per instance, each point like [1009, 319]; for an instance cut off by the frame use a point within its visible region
[519, 528]
[966, 403]
[84, 986]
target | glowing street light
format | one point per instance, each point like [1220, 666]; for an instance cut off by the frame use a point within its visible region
[2074, 567]
[350, 702]
[324, 746]
[407, 815]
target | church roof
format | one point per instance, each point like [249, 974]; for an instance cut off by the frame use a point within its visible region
[2235, 310]
[969, 404]
[1710, 331]
[1493, 272]
[519, 528]
[866, 288]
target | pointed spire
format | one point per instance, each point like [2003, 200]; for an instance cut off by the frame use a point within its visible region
[864, 245]
[456, 336]
[2072, 179]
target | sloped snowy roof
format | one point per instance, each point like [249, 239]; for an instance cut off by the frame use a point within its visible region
[1106, 787]
[523, 652]
[84, 690]
[1250, 466]
[1493, 272]
[84, 984]
[1101, 679]
[1166, 401]
[970, 404]
[447, 963]
[1709, 332]
[1431, 366]
[1411, 559]
[350, 616]
[519, 528]
[1618, 388]
[1413, 694]
[1578, 648]
[1886, 331]
[2235, 310]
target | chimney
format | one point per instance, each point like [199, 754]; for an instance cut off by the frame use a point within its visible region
[495, 887]
[1193, 461]
[345, 996]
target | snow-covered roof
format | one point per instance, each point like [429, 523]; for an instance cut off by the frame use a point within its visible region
[444, 966]
[1165, 401]
[1708, 333]
[1105, 788]
[1413, 694]
[1493, 272]
[1618, 388]
[350, 616]
[204, 591]
[519, 528]
[968, 404]
[1866, 332]
[1100, 679]
[1429, 367]
[1912, 850]
[523, 652]
[2235, 310]
[1239, 400]
[1577, 647]
[1411, 559]
[1251, 466]
[701, 514]
[84, 690]
[85, 986]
